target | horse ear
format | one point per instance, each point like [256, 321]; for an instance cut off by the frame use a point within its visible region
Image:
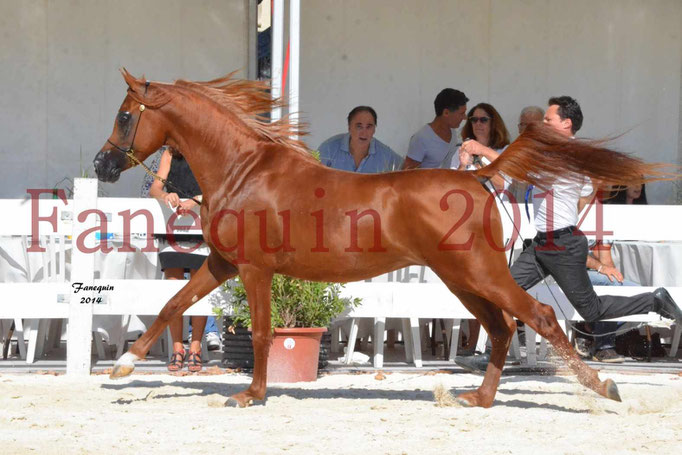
[136, 85]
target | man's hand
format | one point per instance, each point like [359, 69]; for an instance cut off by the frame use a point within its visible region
[612, 273]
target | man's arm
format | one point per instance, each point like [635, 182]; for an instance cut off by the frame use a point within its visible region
[583, 201]
[416, 153]
[409, 163]
[600, 260]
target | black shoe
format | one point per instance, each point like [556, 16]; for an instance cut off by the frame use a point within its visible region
[666, 306]
[475, 364]
[608, 356]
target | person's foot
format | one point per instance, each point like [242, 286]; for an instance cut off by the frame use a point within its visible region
[177, 361]
[608, 356]
[194, 363]
[475, 364]
[212, 341]
[583, 347]
[666, 306]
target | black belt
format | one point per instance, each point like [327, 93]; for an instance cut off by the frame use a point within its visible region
[555, 234]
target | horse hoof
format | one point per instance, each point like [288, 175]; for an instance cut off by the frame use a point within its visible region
[464, 403]
[121, 371]
[234, 403]
[612, 390]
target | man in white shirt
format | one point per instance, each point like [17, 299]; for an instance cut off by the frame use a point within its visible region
[560, 249]
[434, 141]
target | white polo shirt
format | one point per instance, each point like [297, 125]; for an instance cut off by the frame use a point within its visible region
[558, 208]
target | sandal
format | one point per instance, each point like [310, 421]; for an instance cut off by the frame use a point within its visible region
[194, 363]
[177, 360]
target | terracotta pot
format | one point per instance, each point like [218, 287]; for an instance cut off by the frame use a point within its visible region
[294, 354]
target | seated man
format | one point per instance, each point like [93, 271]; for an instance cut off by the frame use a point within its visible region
[435, 141]
[357, 150]
[528, 115]
[602, 272]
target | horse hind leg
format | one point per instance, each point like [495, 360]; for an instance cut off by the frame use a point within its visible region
[258, 285]
[541, 318]
[500, 328]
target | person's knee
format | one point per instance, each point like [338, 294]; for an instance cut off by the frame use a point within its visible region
[590, 313]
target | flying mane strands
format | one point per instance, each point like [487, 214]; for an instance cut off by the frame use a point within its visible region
[249, 100]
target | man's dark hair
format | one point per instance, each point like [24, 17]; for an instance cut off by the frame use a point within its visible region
[358, 109]
[449, 99]
[568, 108]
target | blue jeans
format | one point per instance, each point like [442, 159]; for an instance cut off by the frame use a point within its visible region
[597, 279]
[609, 341]
[211, 326]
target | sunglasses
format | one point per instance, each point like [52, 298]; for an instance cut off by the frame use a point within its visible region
[483, 120]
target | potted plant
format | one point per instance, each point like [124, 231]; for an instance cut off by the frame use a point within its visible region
[301, 312]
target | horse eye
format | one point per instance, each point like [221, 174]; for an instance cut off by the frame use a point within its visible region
[123, 118]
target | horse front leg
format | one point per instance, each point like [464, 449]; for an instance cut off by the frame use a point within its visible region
[500, 328]
[257, 284]
[210, 275]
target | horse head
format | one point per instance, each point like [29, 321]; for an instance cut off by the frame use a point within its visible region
[139, 129]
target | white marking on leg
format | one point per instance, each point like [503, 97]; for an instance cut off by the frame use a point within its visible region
[128, 359]
[194, 299]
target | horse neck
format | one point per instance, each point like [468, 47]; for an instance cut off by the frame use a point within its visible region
[215, 143]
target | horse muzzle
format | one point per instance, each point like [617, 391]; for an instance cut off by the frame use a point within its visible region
[108, 165]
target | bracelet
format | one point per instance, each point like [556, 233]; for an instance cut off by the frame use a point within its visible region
[599, 269]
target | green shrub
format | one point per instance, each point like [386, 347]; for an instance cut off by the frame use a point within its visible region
[294, 302]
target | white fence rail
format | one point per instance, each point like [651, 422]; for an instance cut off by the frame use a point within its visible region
[53, 298]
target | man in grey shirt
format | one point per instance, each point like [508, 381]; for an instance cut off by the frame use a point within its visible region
[434, 141]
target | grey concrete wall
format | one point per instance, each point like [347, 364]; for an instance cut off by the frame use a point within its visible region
[60, 82]
[620, 58]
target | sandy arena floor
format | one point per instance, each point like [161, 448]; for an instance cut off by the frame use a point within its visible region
[340, 413]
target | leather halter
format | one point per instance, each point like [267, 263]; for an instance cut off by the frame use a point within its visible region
[130, 153]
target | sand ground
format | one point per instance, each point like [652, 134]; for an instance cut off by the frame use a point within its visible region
[340, 413]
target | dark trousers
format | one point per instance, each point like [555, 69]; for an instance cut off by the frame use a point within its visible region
[605, 341]
[564, 256]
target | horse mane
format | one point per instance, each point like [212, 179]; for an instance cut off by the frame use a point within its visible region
[249, 101]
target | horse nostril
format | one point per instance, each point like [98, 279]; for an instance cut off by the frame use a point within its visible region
[114, 174]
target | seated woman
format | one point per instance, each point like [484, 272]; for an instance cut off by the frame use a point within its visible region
[358, 150]
[628, 195]
[484, 129]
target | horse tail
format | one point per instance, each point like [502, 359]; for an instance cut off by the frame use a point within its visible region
[540, 155]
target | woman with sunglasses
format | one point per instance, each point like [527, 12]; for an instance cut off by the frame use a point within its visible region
[484, 129]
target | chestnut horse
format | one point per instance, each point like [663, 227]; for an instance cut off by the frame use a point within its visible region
[270, 207]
